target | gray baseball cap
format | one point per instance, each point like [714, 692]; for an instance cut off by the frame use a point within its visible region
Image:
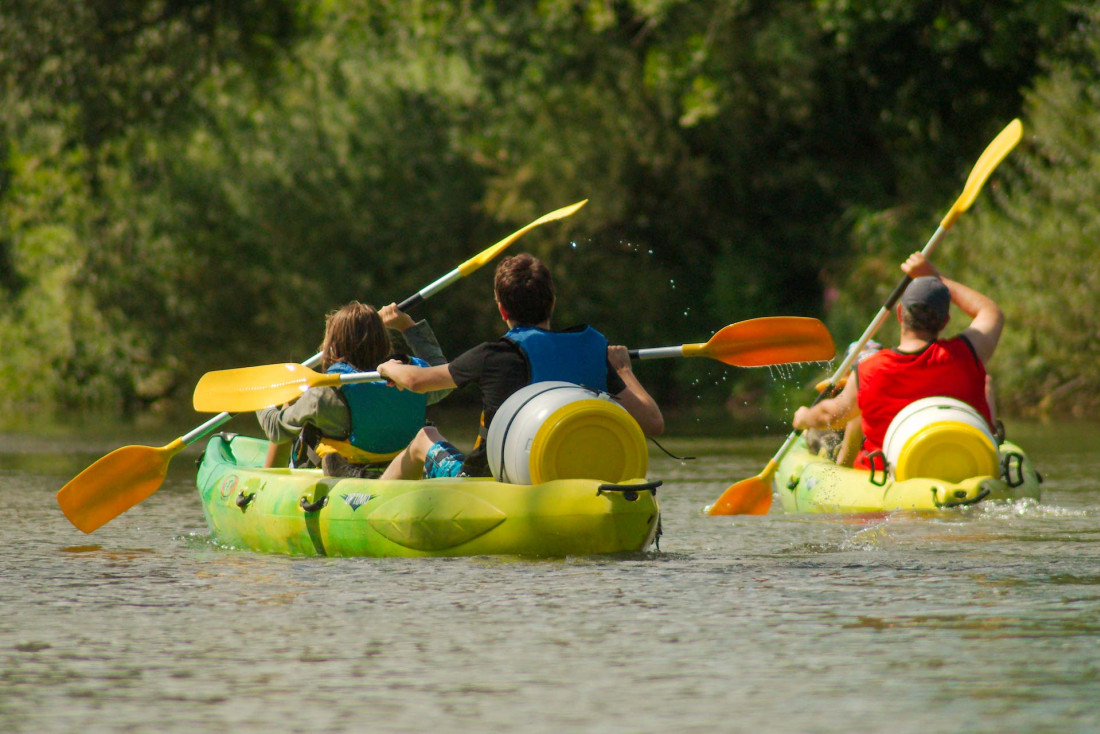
[928, 292]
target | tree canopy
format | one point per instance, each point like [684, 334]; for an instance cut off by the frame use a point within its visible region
[187, 185]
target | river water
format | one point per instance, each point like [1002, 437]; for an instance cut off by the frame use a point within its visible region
[981, 619]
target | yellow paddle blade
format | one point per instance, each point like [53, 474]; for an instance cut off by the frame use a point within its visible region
[253, 388]
[751, 496]
[994, 153]
[485, 256]
[768, 340]
[115, 483]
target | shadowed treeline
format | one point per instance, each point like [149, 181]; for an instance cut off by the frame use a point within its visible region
[188, 185]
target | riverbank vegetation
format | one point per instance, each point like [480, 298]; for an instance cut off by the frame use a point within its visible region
[188, 185]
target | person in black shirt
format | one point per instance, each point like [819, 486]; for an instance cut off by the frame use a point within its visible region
[530, 352]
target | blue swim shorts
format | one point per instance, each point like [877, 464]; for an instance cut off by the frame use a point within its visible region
[443, 460]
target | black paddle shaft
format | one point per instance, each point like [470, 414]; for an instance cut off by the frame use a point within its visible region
[413, 300]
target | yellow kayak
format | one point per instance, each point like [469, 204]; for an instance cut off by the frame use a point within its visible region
[807, 482]
[302, 512]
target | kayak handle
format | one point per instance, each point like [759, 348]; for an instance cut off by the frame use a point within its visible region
[947, 503]
[243, 500]
[630, 491]
[308, 506]
[874, 468]
[1006, 469]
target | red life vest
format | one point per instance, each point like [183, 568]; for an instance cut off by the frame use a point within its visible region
[890, 380]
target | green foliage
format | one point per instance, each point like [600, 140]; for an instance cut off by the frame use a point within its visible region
[1037, 252]
[347, 185]
[92, 92]
[117, 64]
[188, 184]
[53, 328]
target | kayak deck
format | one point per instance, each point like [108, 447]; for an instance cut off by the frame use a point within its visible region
[808, 483]
[302, 512]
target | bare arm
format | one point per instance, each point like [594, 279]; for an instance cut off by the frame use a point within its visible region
[635, 398]
[831, 412]
[417, 379]
[987, 319]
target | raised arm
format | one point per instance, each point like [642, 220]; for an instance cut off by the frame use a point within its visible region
[421, 340]
[986, 318]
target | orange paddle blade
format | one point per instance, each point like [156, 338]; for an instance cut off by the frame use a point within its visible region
[115, 483]
[751, 496]
[766, 341]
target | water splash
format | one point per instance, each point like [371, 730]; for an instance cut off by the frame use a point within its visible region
[1028, 508]
[789, 370]
[783, 372]
[869, 538]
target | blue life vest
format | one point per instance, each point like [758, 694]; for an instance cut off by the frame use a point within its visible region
[577, 355]
[383, 419]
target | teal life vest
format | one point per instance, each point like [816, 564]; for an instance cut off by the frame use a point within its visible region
[384, 419]
[577, 355]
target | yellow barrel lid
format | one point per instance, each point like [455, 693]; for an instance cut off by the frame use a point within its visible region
[947, 450]
[589, 439]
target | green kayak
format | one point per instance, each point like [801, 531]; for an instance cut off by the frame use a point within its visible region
[302, 512]
[806, 482]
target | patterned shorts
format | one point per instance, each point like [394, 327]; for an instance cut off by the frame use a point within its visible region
[443, 460]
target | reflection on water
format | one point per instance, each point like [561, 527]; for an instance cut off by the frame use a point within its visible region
[982, 619]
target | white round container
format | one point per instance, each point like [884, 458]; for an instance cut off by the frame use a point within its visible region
[558, 430]
[940, 438]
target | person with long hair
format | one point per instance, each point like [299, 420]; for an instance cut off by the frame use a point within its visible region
[355, 429]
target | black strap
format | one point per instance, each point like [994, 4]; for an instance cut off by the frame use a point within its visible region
[303, 454]
[669, 453]
[630, 491]
[871, 460]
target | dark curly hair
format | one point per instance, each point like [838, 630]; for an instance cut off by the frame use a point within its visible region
[524, 289]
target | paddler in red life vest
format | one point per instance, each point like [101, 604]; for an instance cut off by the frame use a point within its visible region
[922, 365]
